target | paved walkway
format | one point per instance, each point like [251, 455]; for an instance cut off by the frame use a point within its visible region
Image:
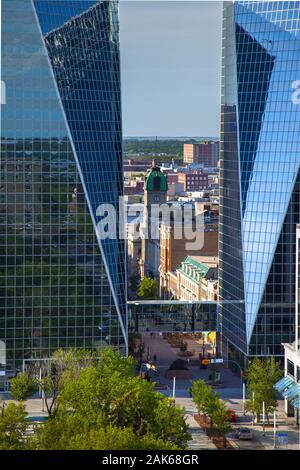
[166, 355]
[199, 438]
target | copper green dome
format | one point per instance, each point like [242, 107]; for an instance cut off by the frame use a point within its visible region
[155, 180]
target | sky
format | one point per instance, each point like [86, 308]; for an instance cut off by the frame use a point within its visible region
[170, 67]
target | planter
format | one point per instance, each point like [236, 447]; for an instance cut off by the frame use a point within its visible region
[217, 439]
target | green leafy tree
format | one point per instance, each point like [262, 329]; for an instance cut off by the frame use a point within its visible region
[261, 378]
[170, 424]
[148, 289]
[22, 386]
[110, 361]
[201, 394]
[210, 405]
[52, 376]
[107, 394]
[125, 402]
[63, 366]
[71, 432]
[221, 419]
[12, 426]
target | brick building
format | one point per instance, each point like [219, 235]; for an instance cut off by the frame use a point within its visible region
[205, 153]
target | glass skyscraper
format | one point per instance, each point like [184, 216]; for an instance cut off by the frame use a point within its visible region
[259, 177]
[61, 286]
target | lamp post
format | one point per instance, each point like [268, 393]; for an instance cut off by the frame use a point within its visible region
[263, 411]
[253, 401]
[274, 433]
[244, 398]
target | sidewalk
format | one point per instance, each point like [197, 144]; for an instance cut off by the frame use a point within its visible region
[200, 440]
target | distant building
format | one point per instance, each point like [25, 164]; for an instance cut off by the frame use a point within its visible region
[205, 153]
[134, 189]
[174, 190]
[134, 248]
[136, 166]
[197, 278]
[174, 250]
[172, 178]
[193, 181]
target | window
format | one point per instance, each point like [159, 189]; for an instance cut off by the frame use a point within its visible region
[290, 368]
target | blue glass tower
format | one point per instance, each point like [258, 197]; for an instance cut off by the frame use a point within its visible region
[61, 286]
[259, 178]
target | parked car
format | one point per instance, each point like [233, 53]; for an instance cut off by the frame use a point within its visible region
[244, 434]
[232, 416]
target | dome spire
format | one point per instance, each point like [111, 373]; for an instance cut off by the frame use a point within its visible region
[153, 164]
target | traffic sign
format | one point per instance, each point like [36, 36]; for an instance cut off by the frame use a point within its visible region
[217, 360]
[282, 438]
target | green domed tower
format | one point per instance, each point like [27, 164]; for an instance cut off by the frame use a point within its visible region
[155, 192]
[155, 180]
[156, 186]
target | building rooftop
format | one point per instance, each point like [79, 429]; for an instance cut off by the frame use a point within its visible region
[198, 267]
[210, 261]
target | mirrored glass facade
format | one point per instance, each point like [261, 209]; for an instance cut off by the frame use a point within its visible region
[297, 336]
[260, 156]
[61, 156]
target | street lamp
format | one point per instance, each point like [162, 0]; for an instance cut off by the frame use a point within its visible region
[263, 411]
[274, 436]
[244, 398]
[242, 383]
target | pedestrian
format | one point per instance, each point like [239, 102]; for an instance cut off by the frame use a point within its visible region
[154, 358]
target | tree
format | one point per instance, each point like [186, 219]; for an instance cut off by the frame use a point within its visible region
[210, 404]
[22, 386]
[63, 366]
[53, 374]
[12, 426]
[70, 433]
[261, 378]
[221, 419]
[107, 394]
[125, 402]
[148, 289]
[201, 394]
[170, 424]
